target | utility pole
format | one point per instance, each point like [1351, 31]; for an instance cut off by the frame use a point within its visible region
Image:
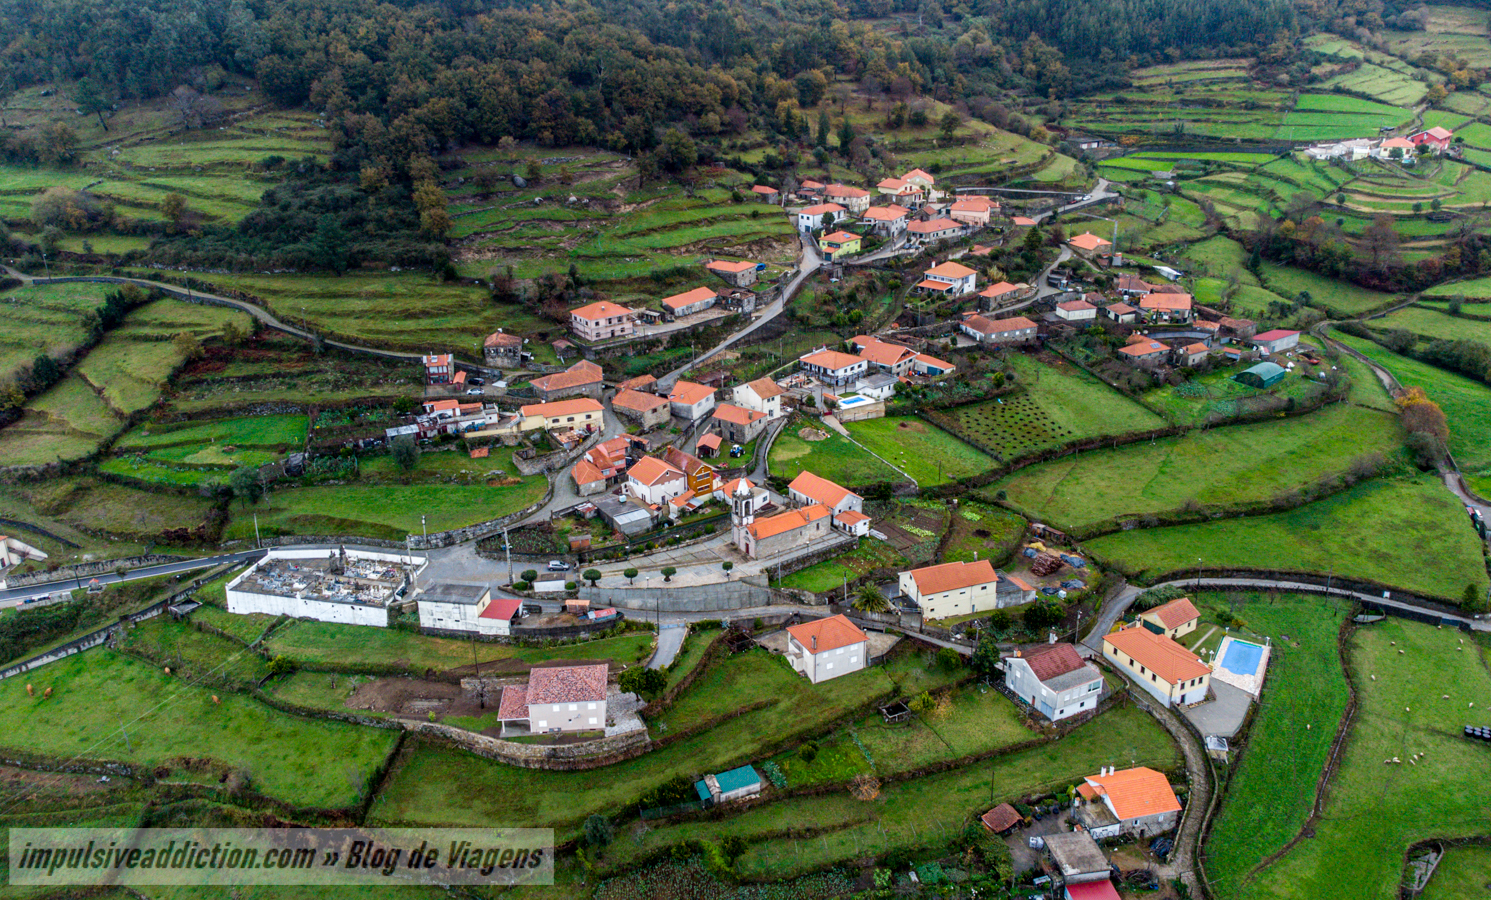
[481, 689]
[257, 542]
[127, 744]
[424, 531]
[509, 549]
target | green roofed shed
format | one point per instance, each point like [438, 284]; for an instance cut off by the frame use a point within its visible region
[732, 785]
[1263, 375]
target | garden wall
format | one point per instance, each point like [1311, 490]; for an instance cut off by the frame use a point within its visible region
[88, 570]
[563, 757]
[723, 597]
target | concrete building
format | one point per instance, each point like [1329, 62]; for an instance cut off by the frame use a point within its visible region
[923, 181]
[1135, 801]
[950, 278]
[583, 379]
[827, 648]
[689, 303]
[811, 218]
[654, 481]
[691, 401]
[581, 414]
[647, 410]
[972, 210]
[451, 607]
[854, 199]
[351, 587]
[737, 274]
[833, 367]
[931, 367]
[887, 221]
[1173, 620]
[999, 294]
[1144, 352]
[557, 699]
[438, 368]
[839, 244]
[901, 191]
[1169, 672]
[763, 395]
[1192, 354]
[1276, 341]
[13, 552]
[1076, 311]
[999, 331]
[1167, 307]
[1054, 679]
[1077, 859]
[602, 321]
[808, 489]
[1121, 312]
[884, 356]
[737, 424]
[951, 589]
[934, 230]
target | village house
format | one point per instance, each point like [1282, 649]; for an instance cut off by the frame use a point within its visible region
[689, 302]
[999, 331]
[1396, 148]
[1001, 293]
[839, 244]
[854, 199]
[1276, 341]
[583, 379]
[581, 414]
[557, 699]
[737, 424]
[887, 221]
[949, 278]
[1133, 286]
[827, 648]
[808, 489]
[884, 356]
[766, 194]
[1436, 139]
[691, 401]
[949, 589]
[1135, 801]
[647, 410]
[502, 350]
[923, 181]
[602, 321]
[1054, 679]
[451, 607]
[833, 367]
[1144, 352]
[812, 218]
[641, 383]
[1241, 329]
[1022, 222]
[810, 188]
[587, 478]
[1173, 619]
[972, 210]
[901, 191]
[1076, 311]
[654, 481]
[1172, 674]
[699, 476]
[933, 230]
[738, 274]
[762, 395]
[1166, 307]
[1121, 312]
[438, 368]
[1088, 245]
[1192, 355]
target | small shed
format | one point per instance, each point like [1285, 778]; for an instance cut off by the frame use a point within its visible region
[1263, 375]
[1077, 857]
[736, 784]
[1002, 819]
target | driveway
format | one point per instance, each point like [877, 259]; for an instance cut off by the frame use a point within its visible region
[669, 642]
[1223, 715]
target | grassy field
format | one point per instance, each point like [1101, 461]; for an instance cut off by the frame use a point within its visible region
[1338, 298]
[442, 786]
[1060, 403]
[1466, 403]
[100, 696]
[924, 451]
[1424, 685]
[326, 644]
[1218, 397]
[45, 318]
[834, 457]
[1220, 466]
[831, 573]
[1471, 289]
[249, 431]
[1433, 325]
[99, 506]
[1372, 531]
[1270, 793]
[923, 811]
[983, 532]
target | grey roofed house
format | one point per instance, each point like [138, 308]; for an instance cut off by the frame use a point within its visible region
[1077, 857]
[445, 592]
[1069, 680]
[624, 514]
[877, 381]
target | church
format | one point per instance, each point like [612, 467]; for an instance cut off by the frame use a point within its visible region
[768, 536]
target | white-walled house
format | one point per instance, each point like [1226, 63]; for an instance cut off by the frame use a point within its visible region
[1136, 801]
[762, 395]
[1054, 679]
[1167, 671]
[827, 648]
[810, 218]
[953, 588]
[807, 489]
[655, 482]
[690, 400]
[452, 607]
[558, 698]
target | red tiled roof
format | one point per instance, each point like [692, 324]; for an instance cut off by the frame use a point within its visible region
[1088, 241]
[688, 393]
[562, 407]
[950, 270]
[1142, 347]
[792, 519]
[1001, 818]
[480, 452]
[649, 470]
[1075, 305]
[831, 633]
[514, 703]
[1164, 300]
[502, 608]
[1049, 661]
[567, 684]
[998, 326]
[851, 518]
[501, 339]
[934, 362]
[1022, 221]
[930, 285]
[838, 237]
[763, 189]
[1157, 653]
[586, 472]
[735, 415]
[832, 360]
[999, 290]
[636, 384]
[689, 298]
[1092, 890]
[709, 442]
[601, 310]
[844, 190]
[881, 353]
[638, 400]
[953, 576]
[1136, 792]
[581, 373]
[819, 489]
[932, 225]
[725, 265]
[765, 388]
[1175, 613]
[886, 213]
[822, 208]
[1274, 335]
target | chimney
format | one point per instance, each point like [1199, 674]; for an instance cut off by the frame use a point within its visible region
[1017, 654]
[815, 643]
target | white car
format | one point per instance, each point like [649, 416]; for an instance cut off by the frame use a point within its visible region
[556, 565]
[474, 392]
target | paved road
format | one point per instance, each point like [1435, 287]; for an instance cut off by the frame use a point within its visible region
[669, 642]
[16, 596]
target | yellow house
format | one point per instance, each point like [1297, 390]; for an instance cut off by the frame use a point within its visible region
[1176, 618]
[1167, 671]
[581, 414]
[840, 243]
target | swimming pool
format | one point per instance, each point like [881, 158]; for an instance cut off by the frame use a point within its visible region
[853, 400]
[1242, 657]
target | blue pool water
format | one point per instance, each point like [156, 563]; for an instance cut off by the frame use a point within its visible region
[1242, 658]
[853, 400]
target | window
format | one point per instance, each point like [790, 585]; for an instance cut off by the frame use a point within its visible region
[542, 724]
[853, 660]
[590, 706]
[1152, 677]
[830, 665]
[1094, 686]
[574, 707]
[592, 720]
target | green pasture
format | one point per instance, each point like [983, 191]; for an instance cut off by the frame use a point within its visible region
[1272, 788]
[1373, 531]
[98, 506]
[106, 705]
[1471, 289]
[326, 645]
[1216, 467]
[45, 318]
[831, 573]
[924, 451]
[273, 431]
[1462, 875]
[1433, 325]
[833, 457]
[1415, 685]
[1337, 298]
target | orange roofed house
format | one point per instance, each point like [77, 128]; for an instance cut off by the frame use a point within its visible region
[1087, 244]
[583, 379]
[689, 302]
[1135, 801]
[602, 321]
[738, 274]
[557, 698]
[950, 279]
[691, 400]
[738, 424]
[1169, 672]
[827, 648]
[833, 367]
[1176, 618]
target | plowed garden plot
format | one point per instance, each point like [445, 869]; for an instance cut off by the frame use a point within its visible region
[1007, 427]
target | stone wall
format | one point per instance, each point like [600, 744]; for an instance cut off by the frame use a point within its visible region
[568, 757]
[741, 593]
[479, 530]
[88, 570]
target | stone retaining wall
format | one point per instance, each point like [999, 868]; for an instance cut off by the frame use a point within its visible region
[561, 757]
[729, 595]
[88, 570]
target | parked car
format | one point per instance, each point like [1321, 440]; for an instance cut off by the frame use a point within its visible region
[477, 381]
[558, 565]
[474, 392]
